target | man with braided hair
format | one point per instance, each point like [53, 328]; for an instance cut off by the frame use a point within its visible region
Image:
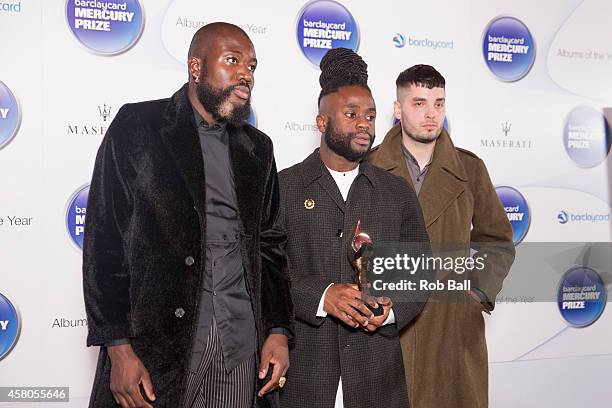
[344, 356]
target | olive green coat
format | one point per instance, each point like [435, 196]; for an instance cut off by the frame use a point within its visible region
[444, 349]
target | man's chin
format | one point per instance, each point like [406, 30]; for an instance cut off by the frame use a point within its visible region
[358, 153]
[359, 148]
[428, 137]
[235, 113]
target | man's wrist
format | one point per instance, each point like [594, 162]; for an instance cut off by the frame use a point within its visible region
[117, 342]
[283, 331]
[280, 330]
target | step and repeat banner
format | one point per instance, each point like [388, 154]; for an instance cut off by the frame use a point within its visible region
[529, 90]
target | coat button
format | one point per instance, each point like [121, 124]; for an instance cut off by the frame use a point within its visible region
[180, 312]
[189, 261]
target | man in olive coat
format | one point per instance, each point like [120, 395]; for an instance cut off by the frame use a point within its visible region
[184, 273]
[444, 349]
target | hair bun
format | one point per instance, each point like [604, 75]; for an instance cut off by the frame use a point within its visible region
[342, 64]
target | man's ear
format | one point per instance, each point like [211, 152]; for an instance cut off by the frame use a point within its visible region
[322, 122]
[193, 64]
[397, 110]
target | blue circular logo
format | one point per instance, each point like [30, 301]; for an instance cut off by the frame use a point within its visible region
[75, 215]
[10, 326]
[586, 136]
[517, 211]
[106, 27]
[399, 40]
[508, 48]
[581, 297]
[323, 25]
[562, 217]
[10, 115]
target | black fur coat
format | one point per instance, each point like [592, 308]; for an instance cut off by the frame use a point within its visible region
[146, 216]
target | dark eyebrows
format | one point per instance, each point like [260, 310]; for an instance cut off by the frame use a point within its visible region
[355, 106]
[417, 99]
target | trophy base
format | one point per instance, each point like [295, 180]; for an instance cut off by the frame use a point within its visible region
[377, 311]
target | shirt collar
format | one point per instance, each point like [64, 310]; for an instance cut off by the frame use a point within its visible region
[200, 121]
[410, 157]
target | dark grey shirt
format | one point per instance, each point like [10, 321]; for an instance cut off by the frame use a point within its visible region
[416, 174]
[224, 293]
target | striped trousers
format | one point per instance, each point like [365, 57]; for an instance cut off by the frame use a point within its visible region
[212, 387]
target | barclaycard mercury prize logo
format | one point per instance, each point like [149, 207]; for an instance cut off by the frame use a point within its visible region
[517, 211]
[106, 27]
[75, 215]
[10, 115]
[508, 48]
[581, 297]
[323, 25]
[586, 136]
[10, 326]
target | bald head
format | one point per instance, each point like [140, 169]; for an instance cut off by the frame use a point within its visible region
[207, 35]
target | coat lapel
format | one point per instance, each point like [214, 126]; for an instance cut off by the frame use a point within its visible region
[444, 182]
[180, 136]
[248, 177]
[390, 155]
[314, 170]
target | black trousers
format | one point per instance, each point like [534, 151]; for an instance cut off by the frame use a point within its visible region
[212, 387]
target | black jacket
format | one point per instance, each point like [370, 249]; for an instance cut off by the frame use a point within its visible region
[143, 256]
[319, 224]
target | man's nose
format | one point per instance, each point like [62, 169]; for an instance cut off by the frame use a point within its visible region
[245, 74]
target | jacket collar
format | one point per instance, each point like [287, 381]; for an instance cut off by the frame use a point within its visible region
[445, 180]
[445, 156]
[180, 136]
[314, 170]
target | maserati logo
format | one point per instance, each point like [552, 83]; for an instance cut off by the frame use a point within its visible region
[506, 127]
[93, 125]
[104, 112]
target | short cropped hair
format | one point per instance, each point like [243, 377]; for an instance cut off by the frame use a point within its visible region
[420, 75]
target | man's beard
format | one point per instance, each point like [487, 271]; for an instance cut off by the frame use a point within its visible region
[340, 143]
[423, 138]
[215, 101]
